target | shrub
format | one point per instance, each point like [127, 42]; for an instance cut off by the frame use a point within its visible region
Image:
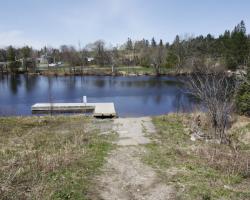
[243, 99]
[14, 66]
[243, 96]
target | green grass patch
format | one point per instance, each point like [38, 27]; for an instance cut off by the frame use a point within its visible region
[190, 167]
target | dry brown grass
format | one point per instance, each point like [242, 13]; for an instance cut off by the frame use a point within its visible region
[49, 157]
[199, 169]
[231, 159]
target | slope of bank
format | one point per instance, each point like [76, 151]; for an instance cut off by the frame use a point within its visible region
[200, 169]
[51, 157]
[76, 157]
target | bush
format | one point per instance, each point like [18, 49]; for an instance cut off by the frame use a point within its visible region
[14, 66]
[243, 96]
[243, 99]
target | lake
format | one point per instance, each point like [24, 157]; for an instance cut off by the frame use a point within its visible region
[133, 96]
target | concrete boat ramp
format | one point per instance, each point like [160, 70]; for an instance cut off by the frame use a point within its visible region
[97, 109]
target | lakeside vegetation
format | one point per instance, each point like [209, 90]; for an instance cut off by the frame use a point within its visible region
[200, 169]
[50, 157]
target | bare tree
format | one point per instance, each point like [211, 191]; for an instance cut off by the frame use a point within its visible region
[158, 57]
[70, 56]
[216, 92]
[179, 51]
[114, 58]
[99, 52]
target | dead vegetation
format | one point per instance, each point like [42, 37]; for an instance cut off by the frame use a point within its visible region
[232, 158]
[216, 91]
[49, 157]
[202, 168]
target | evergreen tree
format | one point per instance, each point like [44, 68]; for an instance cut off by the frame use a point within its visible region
[176, 40]
[11, 54]
[3, 55]
[167, 45]
[129, 45]
[11, 57]
[243, 96]
[239, 44]
[171, 59]
[153, 43]
[161, 43]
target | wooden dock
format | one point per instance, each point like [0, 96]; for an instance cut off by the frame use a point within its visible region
[97, 109]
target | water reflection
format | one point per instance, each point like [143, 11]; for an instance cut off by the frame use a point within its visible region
[30, 82]
[71, 83]
[15, 82]
[2, 77]
[100, 83]
[133, 96]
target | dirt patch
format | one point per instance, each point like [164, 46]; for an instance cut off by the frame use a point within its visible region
[133, 131]
[124, 176]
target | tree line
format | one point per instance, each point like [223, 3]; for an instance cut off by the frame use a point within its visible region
[231, 51]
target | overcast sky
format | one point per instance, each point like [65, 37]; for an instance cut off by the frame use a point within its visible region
[55, 22]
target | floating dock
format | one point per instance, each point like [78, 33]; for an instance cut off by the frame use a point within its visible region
[97, 109]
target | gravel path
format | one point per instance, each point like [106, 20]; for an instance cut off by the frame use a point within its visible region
[133, 131]
[124, 176]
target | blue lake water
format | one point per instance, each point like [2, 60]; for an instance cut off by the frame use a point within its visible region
[133, 96]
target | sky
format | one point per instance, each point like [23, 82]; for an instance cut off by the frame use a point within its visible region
[56, 22]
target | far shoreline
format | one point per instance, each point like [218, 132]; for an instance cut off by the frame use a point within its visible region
[56, 74]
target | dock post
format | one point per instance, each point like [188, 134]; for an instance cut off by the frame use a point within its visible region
[84, 99]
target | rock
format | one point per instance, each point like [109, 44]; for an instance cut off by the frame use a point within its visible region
[193, 138]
